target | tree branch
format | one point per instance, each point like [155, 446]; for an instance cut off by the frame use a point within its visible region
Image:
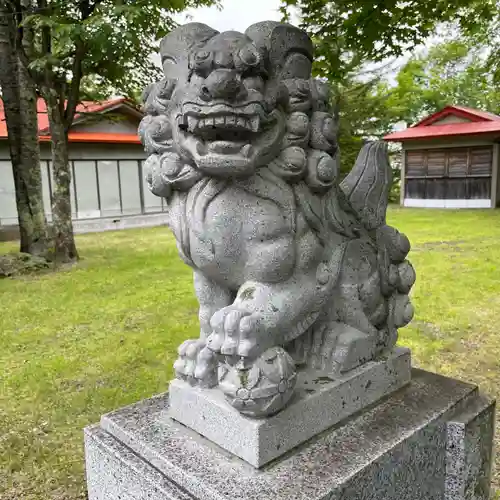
[74, 86]
[87, 9]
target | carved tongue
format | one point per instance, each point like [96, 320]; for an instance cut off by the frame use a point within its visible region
[247, 150]
[224, 147]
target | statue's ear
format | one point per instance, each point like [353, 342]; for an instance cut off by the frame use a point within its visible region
[177, 45]
[289, 50]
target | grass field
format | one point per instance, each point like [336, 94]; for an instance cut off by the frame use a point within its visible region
[103, 334]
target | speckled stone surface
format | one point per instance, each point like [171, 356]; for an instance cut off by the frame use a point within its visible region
[116, 472]
[398, 449]
[318, 404]
[469, 452]
[287, 256]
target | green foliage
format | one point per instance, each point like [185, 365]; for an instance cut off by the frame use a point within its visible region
[395, 192]
[378, 29]
[487, 34]
[453, 72]
[113, 39]
[363, 115]
[83, 341]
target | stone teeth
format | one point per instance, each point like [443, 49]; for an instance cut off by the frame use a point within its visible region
[219, 120]
[241, 122]
[207, 122]
[230, 120]
[255, 123]
[192, 123]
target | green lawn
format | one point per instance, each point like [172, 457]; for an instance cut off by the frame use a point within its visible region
[76, 344]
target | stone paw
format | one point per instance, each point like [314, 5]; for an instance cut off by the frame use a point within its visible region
[196, 363]
[235, 332]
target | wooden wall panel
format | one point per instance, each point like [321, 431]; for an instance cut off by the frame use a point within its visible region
[478, 188]
[457, 162]
[416, 164]
[436, 163]
[452, 173]
[481, 160]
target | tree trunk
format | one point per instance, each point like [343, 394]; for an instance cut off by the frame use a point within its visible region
[64, 241]
[20, 101]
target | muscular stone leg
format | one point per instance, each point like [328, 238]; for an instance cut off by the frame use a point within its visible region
[211, 297]
[265, 315]
[196, 363]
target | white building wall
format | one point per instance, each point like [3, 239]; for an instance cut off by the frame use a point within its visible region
[450, 119]
[118, 126]
[106, 182]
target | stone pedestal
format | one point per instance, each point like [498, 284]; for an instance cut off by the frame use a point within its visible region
[430, 440]
[319, 402]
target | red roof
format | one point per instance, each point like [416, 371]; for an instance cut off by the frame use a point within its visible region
[82, 108]
[478, 122]
[98, 137]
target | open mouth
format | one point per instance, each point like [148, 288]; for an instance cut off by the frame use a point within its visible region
[227, 137]
[224, 130]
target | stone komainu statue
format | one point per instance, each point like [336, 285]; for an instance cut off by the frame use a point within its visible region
[292, 268]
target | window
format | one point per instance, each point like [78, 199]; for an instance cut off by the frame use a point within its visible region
[46, 189]
[109, 188]
[87, 197]
[130, 187]
[8, 207]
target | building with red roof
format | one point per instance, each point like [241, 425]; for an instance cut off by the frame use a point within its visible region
[106, 159]
[450, 159]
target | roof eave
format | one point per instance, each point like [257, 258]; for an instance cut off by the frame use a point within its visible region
[389, 137]
[82, 116]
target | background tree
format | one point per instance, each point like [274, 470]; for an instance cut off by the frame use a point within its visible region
[76, 43]
[348, 34]
[20, 108]
[452, 72]
[380, 29]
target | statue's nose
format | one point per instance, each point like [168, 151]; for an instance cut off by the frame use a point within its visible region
[222, 84]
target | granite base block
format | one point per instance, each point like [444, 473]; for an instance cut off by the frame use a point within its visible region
[431, 440]
[318, 404]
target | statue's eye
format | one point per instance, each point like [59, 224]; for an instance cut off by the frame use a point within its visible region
[201, 61]
[201, 56]
[249, 55]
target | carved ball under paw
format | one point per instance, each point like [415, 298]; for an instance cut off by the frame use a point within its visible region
[263, 389]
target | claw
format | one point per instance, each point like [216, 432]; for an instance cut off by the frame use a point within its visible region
[179, 367]
[192, 350]
[247, 326]
[246, 347]
[189, 367]
[229, 347]
[182, 348]
[196, 364]
[231, 327]
[214, 342]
